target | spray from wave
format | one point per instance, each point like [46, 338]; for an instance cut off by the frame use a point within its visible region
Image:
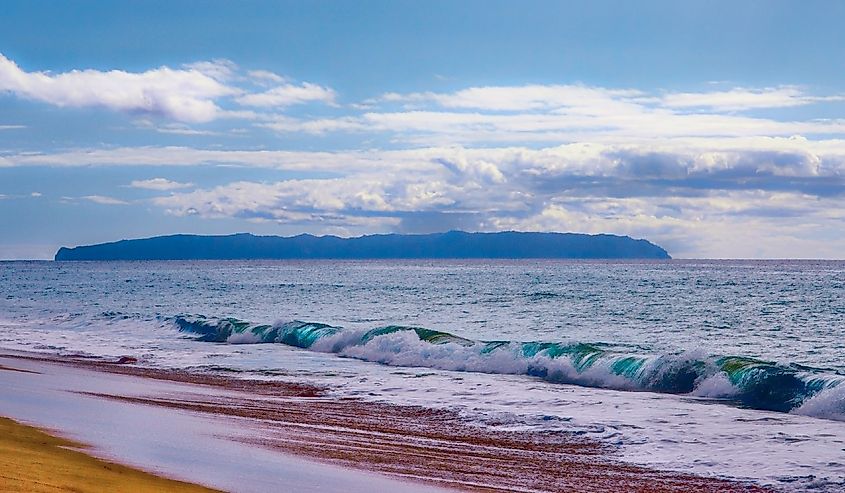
[747, 381]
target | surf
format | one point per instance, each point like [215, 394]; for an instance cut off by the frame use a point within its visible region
[745, 381]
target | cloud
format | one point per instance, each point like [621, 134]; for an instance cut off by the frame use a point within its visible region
[197, 92]
[345, 161]
[159, 184]
[529, 97]
[749, 197]
[754, 156]
[283, 124]
[703, 173]
[204, 91]
[347, 205]
[21, 196]
[102, 199]
[521, 114]
[172, 128]
[220, 69]
[265, 77]
[11, 127]
[361, 195]
[595, 100]
[567, 113]
[731, 225]
[185, 95]
[290, 94]
[715, 223]
[739, 99]
[772, 195]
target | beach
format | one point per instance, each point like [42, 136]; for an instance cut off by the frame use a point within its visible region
[243, 435]
[34, 461]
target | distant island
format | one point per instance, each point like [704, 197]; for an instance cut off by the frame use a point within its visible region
[451, 245]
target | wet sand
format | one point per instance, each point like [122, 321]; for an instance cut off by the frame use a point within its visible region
[422, 448]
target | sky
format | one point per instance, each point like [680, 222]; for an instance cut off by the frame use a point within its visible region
[715, 129]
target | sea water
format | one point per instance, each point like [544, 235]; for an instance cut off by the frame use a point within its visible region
[731, 369]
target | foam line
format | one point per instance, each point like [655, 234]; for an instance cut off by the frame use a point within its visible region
[749, 381]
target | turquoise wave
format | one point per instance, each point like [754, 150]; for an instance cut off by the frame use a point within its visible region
[747, 381]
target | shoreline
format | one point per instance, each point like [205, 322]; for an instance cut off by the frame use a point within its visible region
[421, 448]
[28, 452]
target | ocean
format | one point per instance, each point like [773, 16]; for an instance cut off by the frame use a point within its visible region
[733, 369]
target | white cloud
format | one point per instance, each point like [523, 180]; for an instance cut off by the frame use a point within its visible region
[283, 124]
[334, 203]
[159, 184]
[529, 97]
[346, 161]
[597, 100]
[11, 127]
[750, 223]
[104, 200]
[738, 99]
[20, 196]
[690, 170]
[290, 94]
[195, 93]
[773, 194]
[265, 77]
[220, 69]
[186, 95]
[720, 225]
[557, 113]
[172, 128]
[567, 113]
[752, 197]
[691, 155]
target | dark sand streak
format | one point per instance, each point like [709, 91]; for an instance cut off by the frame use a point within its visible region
[421, 444]
[6, 368]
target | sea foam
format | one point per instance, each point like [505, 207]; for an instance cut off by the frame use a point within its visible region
[748, 381]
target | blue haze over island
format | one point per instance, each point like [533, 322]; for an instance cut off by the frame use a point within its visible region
[451, 245]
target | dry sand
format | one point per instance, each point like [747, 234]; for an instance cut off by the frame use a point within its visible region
[34, 461]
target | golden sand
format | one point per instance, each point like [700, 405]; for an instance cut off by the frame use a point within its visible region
[33, 461]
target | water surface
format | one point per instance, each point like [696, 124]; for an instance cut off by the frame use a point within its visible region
[726, 368]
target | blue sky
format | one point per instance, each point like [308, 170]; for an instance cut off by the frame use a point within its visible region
[712, 128]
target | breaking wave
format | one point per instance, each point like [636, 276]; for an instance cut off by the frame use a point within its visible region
[747, 381]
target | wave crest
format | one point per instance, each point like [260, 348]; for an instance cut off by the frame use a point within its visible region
[751, 382]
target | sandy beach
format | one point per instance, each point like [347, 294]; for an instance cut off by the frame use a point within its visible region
[242, 435]
[34, 461]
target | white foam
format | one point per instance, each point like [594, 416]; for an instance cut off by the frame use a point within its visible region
[828, 404]
[406, 349]
[716, 386]
[245, 337]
